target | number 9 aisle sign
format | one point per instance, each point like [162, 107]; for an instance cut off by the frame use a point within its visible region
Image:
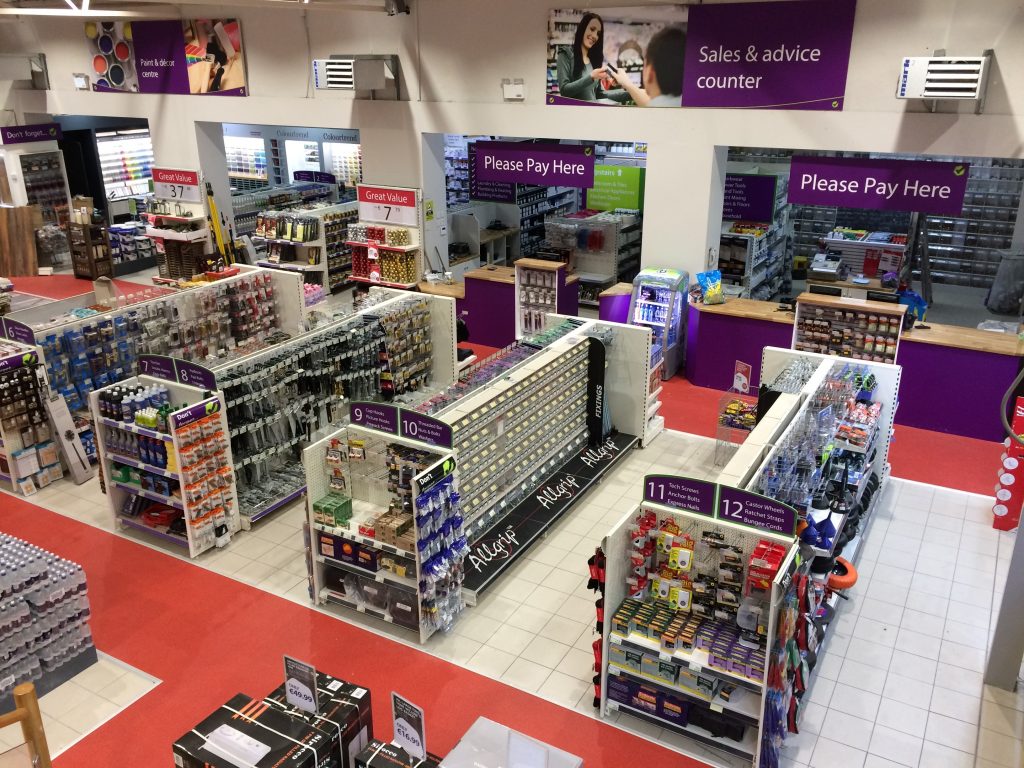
[723, 502]
[176, 185]
[389, 205]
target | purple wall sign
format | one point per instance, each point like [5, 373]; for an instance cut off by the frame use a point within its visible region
[490, 191]
[378, 416]
[317, 176]
[681, 492]
[925, 186]
[19, 332]
[195, 412]
[26, 134]
[194, 375]
[783, 55]
[426, 429]
[749, 197]
[746, 508]
[158, 366]
[547, 165]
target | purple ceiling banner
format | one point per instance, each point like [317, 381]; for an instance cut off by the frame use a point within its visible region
[780, 55]
[924, 186]
[546, 165]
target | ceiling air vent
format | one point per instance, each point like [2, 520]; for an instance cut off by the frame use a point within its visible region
[943, 77]
[334, 74]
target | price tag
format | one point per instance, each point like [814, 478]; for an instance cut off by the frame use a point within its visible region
[409, 727]
[300, 685]
[615, 639]
[389, 205]
[695, 667]
[665, 656]
[177, 185]
[715, 707]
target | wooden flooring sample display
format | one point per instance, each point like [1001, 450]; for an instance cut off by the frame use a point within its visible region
[18, 241]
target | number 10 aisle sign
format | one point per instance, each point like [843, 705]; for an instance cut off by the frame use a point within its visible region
[389, 205]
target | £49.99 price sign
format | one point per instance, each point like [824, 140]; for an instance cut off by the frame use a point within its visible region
[177, 185]
[389, 205]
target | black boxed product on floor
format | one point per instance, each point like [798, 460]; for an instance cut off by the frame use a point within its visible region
[380, 755]
[249, 733]
[345, 714]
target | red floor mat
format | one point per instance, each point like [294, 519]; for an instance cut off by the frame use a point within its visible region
[66, 286]
[209, 637]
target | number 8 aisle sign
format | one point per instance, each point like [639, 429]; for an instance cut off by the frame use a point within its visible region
[177, 185]
[389, 205]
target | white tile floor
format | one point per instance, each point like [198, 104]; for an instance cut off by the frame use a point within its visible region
[85, 703]
[900, 684]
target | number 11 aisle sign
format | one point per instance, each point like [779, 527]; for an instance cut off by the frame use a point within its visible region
[389, 205]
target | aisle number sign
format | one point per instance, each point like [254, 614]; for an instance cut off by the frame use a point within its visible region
[177, 185]
[389, 205]
[722, 502]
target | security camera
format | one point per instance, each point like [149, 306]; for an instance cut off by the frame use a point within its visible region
[396, 6]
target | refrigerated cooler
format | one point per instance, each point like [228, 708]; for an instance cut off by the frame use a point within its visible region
[659, 303]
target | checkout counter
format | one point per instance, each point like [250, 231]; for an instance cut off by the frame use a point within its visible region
[953, 378]
[486, 300]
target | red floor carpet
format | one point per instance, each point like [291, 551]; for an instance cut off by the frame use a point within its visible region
[66, 286]
[209, 637]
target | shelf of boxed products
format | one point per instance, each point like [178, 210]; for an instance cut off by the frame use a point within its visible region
[248, 205]
[853, 328]
[29, 456]
[371, 492]
[744, 748]
[177, 484]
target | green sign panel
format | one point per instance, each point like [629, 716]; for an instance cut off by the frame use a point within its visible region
[616, 186]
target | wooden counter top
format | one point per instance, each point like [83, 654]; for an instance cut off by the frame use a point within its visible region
[953, 336]
[494, 274]
[552, 266]
[750, 309]
[873, 284]
[453, 291]
[853, 305]
[619, 289]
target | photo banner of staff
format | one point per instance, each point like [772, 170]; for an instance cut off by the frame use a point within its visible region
[781, 55]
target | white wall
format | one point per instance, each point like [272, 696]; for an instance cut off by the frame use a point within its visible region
[455, 52]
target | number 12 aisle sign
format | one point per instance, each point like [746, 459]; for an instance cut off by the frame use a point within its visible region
[173, 184]
[389, 205]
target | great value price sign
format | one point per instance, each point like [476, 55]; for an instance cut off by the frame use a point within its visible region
[178, 185]
[723, 502]
[924, 186]
[782, 55]
[388, 205]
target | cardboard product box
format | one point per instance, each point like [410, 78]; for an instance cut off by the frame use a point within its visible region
[402, 607]
[621, 689]
[345, 714]
[674, 709]
[250, 732]
[624, 657]
[377, 754]
[662, 671]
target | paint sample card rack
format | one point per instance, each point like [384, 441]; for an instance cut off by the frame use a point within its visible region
[385, 526]
[166, 461]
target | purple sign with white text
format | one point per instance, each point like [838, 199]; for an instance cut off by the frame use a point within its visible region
[426, 429]
[378, 416]
[26, 134]
[490, 191]
[749, 197]
[546, 165]
[924, 186]
[194, 375]
[16, 331]
[195, 412]
[681, 492]
[739, 506]
[780, 55]
[158, 366]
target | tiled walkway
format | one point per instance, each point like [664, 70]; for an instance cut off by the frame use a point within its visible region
[900, 683]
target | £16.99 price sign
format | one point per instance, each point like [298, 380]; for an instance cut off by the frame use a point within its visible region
[177, 185]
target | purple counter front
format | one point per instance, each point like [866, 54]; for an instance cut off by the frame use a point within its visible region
[489, 309]
[943, 388]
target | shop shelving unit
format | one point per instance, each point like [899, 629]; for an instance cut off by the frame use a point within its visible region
[246, 205]
[538, 285]
[90, 254]
[844, 327]
[199, 525]
[397, 592]
[376, 262]
[325, 259]
[45, 182]
[754, 262]
[628, 655]
[247, 162]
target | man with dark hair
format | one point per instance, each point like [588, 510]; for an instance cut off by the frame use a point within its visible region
[663, 67]
[662, 73]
